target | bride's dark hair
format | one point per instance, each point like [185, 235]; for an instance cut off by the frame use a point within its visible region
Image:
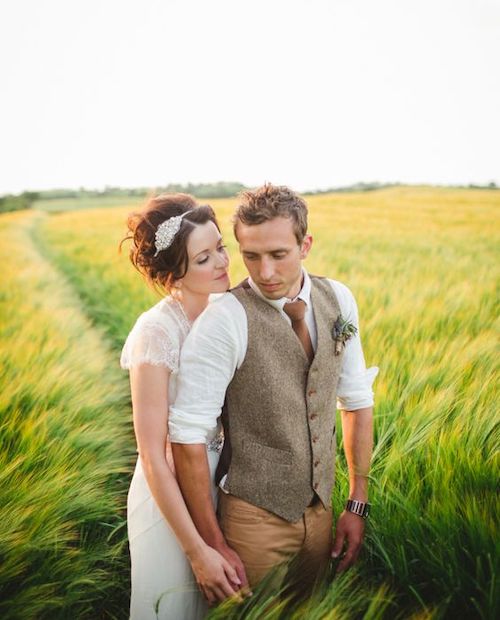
[171, 264]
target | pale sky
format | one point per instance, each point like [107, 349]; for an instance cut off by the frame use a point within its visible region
[309, 93]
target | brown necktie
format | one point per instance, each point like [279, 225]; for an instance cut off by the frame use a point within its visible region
[296, 310]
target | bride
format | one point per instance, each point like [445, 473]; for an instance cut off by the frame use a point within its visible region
[177, 246]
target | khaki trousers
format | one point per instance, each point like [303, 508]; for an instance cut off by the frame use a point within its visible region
[265, 541]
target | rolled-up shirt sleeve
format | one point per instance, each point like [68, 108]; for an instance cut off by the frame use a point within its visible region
[208, 360]
[354, 390]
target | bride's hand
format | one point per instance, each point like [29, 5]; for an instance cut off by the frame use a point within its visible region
[215, 576]
[234, 560]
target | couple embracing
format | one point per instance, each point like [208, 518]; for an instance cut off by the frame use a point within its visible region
[234, 408]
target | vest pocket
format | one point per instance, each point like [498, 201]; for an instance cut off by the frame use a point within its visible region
[261, 451]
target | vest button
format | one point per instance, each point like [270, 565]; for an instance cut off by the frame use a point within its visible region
[316, 485]
[316, 463]
[313, 416]
[315, 439]
[311, 392]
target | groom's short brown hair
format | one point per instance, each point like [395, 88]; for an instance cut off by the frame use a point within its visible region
[270, 201]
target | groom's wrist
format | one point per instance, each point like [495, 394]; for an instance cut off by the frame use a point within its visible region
[358, 507]
[215, 539]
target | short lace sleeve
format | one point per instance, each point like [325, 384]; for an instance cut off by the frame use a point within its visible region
[150, 342]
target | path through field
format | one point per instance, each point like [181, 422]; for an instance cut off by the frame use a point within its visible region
[66, 444]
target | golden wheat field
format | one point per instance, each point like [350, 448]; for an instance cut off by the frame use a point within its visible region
[423, 265]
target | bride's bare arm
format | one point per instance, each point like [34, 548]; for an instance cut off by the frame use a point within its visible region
[193, 475]
[149, 387]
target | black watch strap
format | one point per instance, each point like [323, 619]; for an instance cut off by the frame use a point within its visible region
[358, 508]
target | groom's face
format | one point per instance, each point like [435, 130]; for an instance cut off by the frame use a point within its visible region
[273, 256]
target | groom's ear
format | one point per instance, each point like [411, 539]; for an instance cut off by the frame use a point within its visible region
[306, 245]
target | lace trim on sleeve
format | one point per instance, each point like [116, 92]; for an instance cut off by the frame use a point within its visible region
[150, 343]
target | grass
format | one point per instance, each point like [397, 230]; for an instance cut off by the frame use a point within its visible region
[422, 263]
[66, 448]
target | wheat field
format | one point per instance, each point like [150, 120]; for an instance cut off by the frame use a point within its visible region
[423, 265]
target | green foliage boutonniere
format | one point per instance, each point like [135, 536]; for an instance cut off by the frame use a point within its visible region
[341, 332]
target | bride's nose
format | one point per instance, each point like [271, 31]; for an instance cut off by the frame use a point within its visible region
[223, 259]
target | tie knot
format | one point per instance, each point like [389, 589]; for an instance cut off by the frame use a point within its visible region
[296, 310]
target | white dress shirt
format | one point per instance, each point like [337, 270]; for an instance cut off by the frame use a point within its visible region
[216, 347]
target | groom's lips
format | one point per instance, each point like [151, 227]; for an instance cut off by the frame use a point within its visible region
[270, 287]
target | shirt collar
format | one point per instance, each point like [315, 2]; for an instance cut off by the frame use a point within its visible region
[304, 293]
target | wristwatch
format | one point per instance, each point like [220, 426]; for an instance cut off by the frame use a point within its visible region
[358, 508]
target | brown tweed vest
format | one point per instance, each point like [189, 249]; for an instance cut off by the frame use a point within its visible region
[279, 414]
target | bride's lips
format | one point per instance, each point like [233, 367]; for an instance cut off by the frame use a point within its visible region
[222, 276]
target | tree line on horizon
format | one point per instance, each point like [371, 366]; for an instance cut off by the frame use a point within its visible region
[221, 189]
[26, 200]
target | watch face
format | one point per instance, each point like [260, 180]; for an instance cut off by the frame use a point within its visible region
[361, 509]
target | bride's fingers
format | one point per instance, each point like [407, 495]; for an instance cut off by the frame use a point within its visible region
[232, 575]
[227, 588]
[241, 591]
[217, 592]
[223, 592]
[242, 576]
[207, 593]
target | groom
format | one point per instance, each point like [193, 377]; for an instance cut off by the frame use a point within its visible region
[276, 353]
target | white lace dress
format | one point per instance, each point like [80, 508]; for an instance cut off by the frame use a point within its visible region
[163, 586]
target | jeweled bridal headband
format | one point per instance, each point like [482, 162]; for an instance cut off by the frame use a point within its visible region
[166, 231]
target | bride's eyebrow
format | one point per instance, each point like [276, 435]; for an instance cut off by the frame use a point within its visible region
[208, 249]
[202, 252]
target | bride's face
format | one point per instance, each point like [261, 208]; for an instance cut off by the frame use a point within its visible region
[208, 261]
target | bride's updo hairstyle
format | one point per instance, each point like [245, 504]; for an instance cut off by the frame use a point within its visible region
[170, 264]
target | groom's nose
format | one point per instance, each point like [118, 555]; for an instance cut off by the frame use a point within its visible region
[266, 270]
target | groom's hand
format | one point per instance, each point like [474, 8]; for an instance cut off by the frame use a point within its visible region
[350, 529]
[234, 560]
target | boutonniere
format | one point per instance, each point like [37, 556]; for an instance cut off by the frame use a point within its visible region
[341, 332]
